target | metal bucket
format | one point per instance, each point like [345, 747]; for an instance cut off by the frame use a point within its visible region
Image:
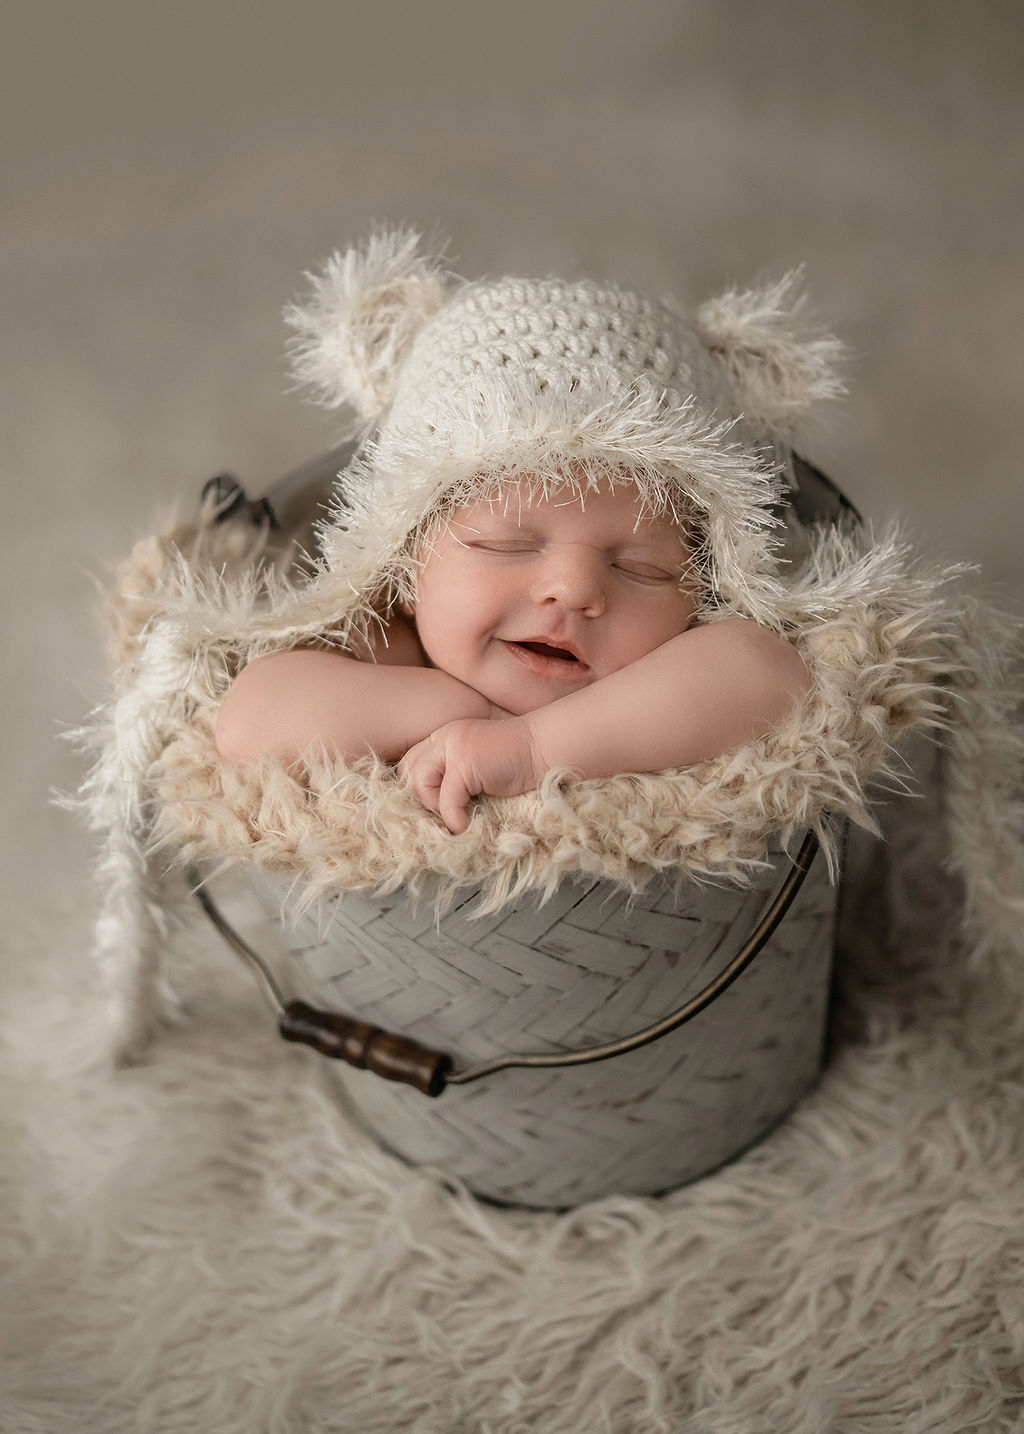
[594, 1044]
[578, 973]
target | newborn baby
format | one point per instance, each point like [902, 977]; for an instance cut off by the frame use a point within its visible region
[548, 630]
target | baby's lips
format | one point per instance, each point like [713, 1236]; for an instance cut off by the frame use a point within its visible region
[551, 647]
[547, 660]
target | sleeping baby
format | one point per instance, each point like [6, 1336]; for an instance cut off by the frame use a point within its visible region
[552, 625]
[557, 547]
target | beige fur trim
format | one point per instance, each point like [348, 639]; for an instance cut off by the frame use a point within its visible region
[356, 827]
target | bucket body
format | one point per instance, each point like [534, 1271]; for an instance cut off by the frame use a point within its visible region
[590, 965]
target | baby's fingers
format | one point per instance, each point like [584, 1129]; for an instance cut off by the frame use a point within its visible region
[440, 774]
[422, 768]
[453, 801]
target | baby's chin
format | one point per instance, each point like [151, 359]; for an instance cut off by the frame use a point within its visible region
[521, 699]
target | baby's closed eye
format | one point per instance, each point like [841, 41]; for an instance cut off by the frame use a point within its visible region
[512, 546]
[645, 571]
[638, 567]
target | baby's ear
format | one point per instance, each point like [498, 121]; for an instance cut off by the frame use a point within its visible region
[777, 364]
[354, 327]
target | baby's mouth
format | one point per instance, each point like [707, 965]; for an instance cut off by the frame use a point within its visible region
[548, 659]
[546, 650]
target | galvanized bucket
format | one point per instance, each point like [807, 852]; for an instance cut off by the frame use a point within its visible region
[593, 1044]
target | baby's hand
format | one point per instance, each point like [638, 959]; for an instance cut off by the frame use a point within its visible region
[463, 759]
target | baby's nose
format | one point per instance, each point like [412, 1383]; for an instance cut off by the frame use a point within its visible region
[575, 576]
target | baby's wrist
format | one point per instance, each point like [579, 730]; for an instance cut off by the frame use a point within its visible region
[538, 754]
[466, 701]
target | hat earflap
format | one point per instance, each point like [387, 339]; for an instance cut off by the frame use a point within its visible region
[355, 325]
[777, 365]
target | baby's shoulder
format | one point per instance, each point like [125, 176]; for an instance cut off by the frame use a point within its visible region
[395, 644]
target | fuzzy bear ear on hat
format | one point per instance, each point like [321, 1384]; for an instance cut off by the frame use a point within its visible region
[356, 323]
[775, 362]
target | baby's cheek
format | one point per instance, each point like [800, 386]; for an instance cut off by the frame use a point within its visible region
[645, 633]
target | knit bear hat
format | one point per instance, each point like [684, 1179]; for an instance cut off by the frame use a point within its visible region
[466, 386]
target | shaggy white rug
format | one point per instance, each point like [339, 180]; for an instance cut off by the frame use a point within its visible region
[203, 1243]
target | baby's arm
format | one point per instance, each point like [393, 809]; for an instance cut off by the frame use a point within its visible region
[704, 692]
[709, 690]
[287, 704]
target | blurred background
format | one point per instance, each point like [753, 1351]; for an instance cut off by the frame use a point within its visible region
[171, 171]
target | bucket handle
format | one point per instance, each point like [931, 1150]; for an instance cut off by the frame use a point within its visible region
[399, 1058]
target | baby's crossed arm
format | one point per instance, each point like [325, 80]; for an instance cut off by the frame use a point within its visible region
[708, 690]
[290, 704]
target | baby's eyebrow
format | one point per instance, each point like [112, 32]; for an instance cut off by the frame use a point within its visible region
[500, 523]
[663, 549]
[456, 529]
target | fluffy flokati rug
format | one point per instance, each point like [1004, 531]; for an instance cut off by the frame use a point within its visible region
[203, 1243]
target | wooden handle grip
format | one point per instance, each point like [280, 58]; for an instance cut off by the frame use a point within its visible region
[367, 1047]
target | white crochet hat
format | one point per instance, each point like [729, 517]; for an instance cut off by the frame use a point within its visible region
[465, 386]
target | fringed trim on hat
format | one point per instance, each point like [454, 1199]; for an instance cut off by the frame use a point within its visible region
[369, 538]
[158, 676]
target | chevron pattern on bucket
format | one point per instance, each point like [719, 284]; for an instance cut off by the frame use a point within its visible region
[590, 965]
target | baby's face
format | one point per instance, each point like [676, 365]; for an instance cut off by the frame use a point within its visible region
[527, 601]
